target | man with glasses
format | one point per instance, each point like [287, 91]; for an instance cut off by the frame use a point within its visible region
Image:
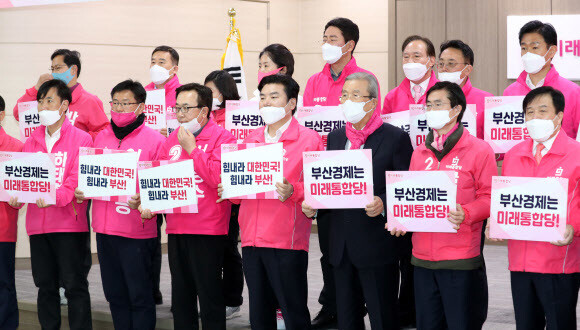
[85, 110]
[197, 241]
[418, 62]
[339, 40]
[450, 278]
[125, 242]
[455, 65]
[364, 258]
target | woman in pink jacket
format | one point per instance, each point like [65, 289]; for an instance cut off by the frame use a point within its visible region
[450, 277]
[545, 277]
[59, 233]
[197, 241]
[125, 242]
[275, 233]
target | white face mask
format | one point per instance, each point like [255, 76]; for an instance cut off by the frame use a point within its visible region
[331, 53]
[354, 112]
[436, 119]
[540, 129]
[454, 77]
[193, 125]
[271, 115]
[415, 71]
[215, 103]
[158, 74]
[49, 117]
[533, 63]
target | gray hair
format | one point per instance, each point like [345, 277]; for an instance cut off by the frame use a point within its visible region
[373, 87]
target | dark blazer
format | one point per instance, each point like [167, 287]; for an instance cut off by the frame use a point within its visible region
[365, 239]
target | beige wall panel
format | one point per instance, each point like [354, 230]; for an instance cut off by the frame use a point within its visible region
[475, 23]
[565, 7]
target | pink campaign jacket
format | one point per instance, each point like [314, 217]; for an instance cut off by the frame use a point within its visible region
[170, 88]
[474, 160]
[562, 160]
[271, 223]
[399, 98]
[85, 111]
[570, 90]
[213, 218]
[8, 214]
[116, 218]
[321, 89]
[67, 216]
[477, 97]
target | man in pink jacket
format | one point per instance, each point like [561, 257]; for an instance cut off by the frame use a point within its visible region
[8, 234]
[545, 277]
[538, 43]
[163, 72]
[59, 233]
[197, 241]
[275, 233]
[450, 278]
[455, 65]
[85, 110]
[338, 43]
[125, 242]
[418, 62]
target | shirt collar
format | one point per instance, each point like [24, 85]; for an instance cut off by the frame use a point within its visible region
[547, 144]
[531, 84]
[423, 85]
[279, 132]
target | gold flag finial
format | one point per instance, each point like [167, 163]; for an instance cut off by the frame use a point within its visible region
[232, 14]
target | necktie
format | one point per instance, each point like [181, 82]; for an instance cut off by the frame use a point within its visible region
[417, 90]
[538, 154]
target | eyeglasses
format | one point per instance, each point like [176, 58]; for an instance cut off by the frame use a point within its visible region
[184, 109]
[448, 65]
[115, 104]
[435, 105]
[353, 97]
[56, 68]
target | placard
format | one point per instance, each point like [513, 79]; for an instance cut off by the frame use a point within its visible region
[338, 179]
[504, 124]
[107, 172]
[418, 121]
[155, 109]
[531, 209]
[29, 120]
[420, 201]
[399, 119]
[168, 186]
[242, 118]
[28, 176]
[322, 119]
[251, 170]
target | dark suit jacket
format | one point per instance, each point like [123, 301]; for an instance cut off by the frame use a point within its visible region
[365, 239]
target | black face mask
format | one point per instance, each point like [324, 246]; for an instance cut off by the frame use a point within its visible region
[122, 132]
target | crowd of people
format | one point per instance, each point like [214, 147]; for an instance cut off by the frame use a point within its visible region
[401, 280]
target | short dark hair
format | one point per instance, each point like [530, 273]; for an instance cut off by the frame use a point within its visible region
[71, 57]
[460, 45]
[130, 85]
[62, 90]
[204, 95]
[557, 97]
[2, 104]
[225, 84]
[348, 28]
[546, 30]
[454, 94]
[291, 87]
[430, 47]
[170, 50]
[281, 56]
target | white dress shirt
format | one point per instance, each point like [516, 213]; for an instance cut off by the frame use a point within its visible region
[423, 85]
[547, 145]
[531, 84]
[279, 132]
[51, 139]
